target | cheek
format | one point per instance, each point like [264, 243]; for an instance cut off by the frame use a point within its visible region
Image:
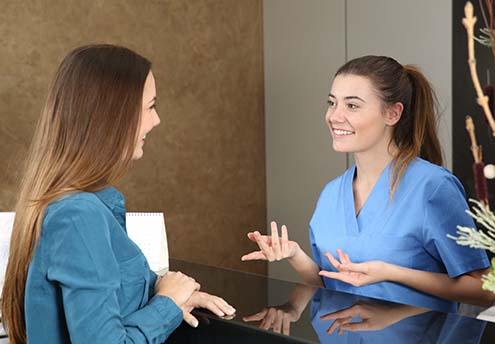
[145, 119]
[371, 130]
[366, 123]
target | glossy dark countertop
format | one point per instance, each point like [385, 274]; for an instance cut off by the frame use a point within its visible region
[275, 311]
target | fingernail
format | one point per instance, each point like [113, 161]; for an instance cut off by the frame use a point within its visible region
[195, 323]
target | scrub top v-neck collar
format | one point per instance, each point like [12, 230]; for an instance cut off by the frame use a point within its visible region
[374, 207]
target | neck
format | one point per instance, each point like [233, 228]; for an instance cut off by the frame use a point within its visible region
[370, 164]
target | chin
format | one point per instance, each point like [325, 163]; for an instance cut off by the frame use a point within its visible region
[340, 149]
[137, 155]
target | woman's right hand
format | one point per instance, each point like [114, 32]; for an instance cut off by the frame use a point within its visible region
[272, 247]
[177, 286]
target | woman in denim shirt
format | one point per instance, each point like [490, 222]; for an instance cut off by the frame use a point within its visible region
[73, 274]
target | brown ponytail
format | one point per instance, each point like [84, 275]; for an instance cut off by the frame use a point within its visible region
[415, 135]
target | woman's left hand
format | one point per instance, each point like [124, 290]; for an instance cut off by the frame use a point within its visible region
[214, 304]
[357, 274]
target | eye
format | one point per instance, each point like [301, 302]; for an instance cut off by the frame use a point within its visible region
[352, 106]
[331, 103]
[153, 107]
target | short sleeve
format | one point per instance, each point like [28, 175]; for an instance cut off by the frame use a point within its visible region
[445, 210]
[83, 264]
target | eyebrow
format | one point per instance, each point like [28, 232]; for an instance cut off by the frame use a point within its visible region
[152, 100]
[348, 97]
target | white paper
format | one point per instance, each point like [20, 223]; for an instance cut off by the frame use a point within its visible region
[148, 231]
[6, 224]
[487, 314]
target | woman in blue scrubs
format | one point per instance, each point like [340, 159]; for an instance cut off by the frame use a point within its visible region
[380, 229]
[73, 274]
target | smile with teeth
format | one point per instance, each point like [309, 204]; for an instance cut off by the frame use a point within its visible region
[341, 132]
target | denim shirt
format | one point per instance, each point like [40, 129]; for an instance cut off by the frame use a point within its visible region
[88, 282]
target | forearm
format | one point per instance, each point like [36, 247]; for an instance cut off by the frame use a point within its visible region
[306, 268]
[406, 311]
[465, 288]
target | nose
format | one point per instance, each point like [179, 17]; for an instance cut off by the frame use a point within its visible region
[156, 119]
[335, 115]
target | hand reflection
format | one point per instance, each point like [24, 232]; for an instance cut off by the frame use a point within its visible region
[374, 316]
[280, 317]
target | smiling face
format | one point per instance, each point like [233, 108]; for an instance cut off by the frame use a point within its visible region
[149, 116]
[356, 116]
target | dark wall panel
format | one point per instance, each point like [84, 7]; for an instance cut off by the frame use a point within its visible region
[204, 166]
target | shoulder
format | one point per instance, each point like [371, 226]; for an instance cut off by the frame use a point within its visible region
[433, 179]
[333, 186]
[430, 175]
[79, 210]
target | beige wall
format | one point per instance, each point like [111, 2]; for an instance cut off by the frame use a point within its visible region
[204, 166]
[304, 45]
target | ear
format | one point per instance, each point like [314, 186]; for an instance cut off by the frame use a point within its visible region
[393, 113]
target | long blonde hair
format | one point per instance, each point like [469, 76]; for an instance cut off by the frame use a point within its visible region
[84, 140]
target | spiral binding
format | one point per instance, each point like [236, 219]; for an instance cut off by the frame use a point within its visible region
[144, 213]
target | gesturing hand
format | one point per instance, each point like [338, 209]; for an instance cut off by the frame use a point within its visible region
[357, 274]
[272, 247]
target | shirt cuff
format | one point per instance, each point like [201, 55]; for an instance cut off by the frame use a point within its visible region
[457, 270]
[166, 309]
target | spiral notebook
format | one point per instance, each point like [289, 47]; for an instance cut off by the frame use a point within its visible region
[6, 224]
[148, 231]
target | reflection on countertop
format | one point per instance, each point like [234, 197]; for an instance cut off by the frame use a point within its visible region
[276, 311]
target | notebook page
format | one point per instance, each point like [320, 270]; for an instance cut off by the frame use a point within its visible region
[6, 223]
[148, 231]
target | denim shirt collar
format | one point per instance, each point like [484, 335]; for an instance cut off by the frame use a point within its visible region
[115, 201]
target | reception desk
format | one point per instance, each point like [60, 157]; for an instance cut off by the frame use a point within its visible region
[275, 311]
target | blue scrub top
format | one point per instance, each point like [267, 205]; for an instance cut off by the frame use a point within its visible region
[428, 327]
[409, 230]
[88, 282]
